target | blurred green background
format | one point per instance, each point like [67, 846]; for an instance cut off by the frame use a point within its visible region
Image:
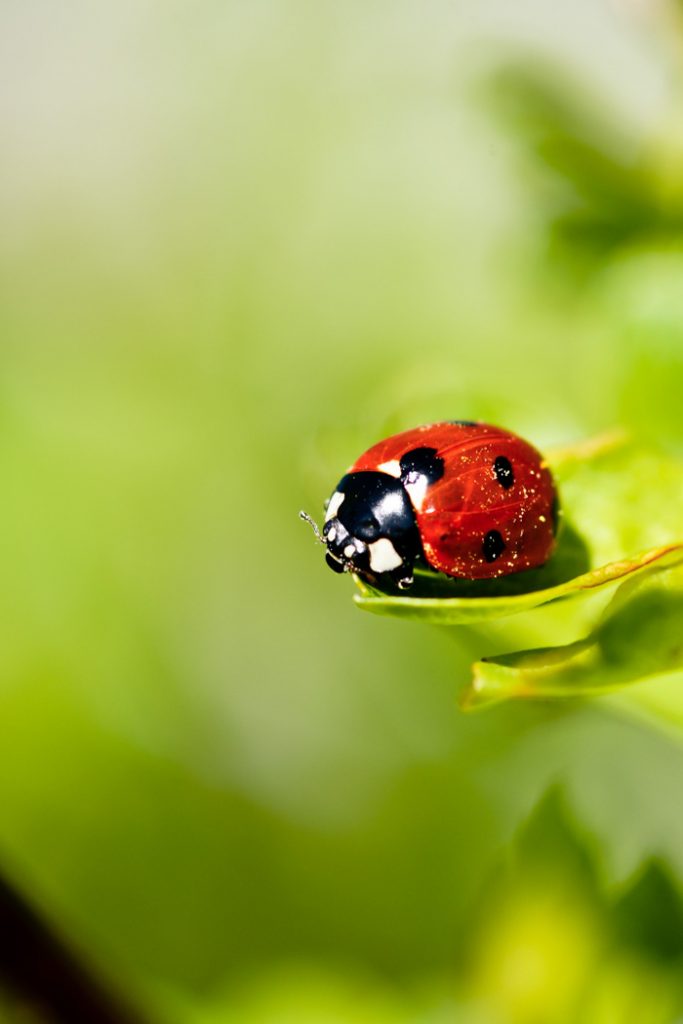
[240, 243]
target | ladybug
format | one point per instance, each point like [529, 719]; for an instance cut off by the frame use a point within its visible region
[467, 499]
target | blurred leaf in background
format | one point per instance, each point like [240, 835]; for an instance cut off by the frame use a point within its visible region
[550, 945]
[544, 943]
[602, 191]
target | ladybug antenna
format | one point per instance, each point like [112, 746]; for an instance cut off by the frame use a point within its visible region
[314, 526]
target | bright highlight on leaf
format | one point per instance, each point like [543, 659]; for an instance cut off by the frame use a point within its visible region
[624, 533]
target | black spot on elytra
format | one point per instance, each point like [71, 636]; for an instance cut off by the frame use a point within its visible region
[421, 462]
[463, 423]
[502, 467]
[493, 546]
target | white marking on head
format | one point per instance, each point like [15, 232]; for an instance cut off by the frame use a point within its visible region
[393, 468]
[417, 491]
[350, 550]
[383, 556]
[333, 506]
[332, 534]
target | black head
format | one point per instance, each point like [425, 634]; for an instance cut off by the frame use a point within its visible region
[370, 528]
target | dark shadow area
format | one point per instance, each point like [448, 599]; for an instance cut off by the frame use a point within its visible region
[44, 978]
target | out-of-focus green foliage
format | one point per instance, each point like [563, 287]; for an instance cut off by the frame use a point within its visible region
[545, 943]
[240, 244]
[606, 191]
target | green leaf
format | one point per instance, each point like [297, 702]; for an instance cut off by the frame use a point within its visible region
[638, 636]
[462, 610]
[625, 503]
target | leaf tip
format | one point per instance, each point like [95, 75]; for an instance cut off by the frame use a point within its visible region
[480, 693]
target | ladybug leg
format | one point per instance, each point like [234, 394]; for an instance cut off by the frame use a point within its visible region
[402, 576]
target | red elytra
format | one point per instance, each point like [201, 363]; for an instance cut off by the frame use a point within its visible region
[494, 509]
